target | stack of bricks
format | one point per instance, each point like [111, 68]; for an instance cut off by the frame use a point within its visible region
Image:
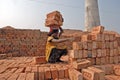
[51, 72]
[98, 46]
[112, 71]
[22, 42]
[54, 18]
[92, 73]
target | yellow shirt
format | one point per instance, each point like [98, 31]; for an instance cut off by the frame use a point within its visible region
[49, 47]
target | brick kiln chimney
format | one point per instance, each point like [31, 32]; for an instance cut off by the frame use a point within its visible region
[92, 18]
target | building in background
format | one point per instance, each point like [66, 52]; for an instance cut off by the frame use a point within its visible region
[92, 18]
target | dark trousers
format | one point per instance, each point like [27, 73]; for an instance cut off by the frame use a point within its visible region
[56, 54]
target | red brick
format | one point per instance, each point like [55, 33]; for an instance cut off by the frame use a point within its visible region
[88, 74]
[39, 60]
[80, 64]
[107, 52]
[47, 73]
[92, 60]
[111, 52]
[112, 37]
[86, 37]
[54, 73]
[61, 73]
[106, 36]
[22, 76]
[111, 45]
[98, 61]
[75, 75]
[85, 54]
[116, 59]
[94, 53]
[115, 44]
[94, 44]
[116, 52]
[71, 60]
[111, 60]
[13, 76]
[85, 45]
[99, 52]
[98, 37]
[107, 45]
[28, 69]
[20, 70]
[34, 69]
[112, 77]
[108, 69]
[103, 45]
[104, 53]
[119, 59]
[99, 45]
[107, 59]
[103, 60]
[89, 45]
[30, 76]
[66, 72]
[100, 73]
[77, 45]
[73, 53]
[41, 73]
[80, 54]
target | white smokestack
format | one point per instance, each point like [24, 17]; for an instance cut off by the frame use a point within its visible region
[92, 18]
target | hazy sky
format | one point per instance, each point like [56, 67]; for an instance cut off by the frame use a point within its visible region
[31, 14]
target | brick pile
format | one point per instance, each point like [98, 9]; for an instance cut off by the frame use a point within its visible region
[92, 73]
[25, 42]
[22, 68]
[98, 46]
[22, 42]
[112, 71]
